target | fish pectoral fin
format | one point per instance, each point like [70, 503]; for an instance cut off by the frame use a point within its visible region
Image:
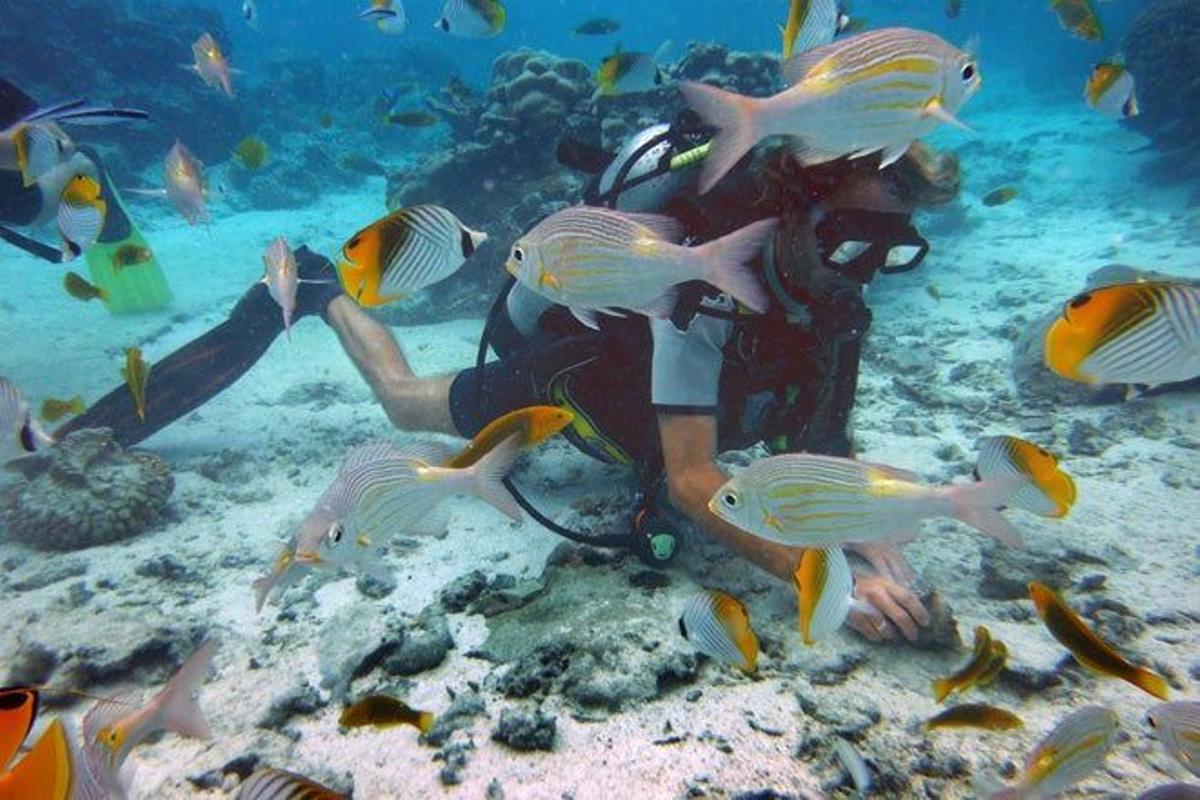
[935, 108]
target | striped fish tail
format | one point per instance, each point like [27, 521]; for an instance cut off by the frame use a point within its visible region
[738, 119]
[976, 504]
[726, 263]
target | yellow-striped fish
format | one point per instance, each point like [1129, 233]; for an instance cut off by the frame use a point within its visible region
[1111, 91]
[718, 625]
[806, 500]
[81, 214]
[1089, 649]
[404, 252]
[810, 23]
[1177, 726]
[975, 715]
[1048, 490]
[1076, 747]
[595, 260]
[384, 489]
[872, 93]
[1136, 333]
[987, 659]
[824, 591]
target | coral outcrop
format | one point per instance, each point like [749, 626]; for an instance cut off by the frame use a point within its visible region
[85, 491]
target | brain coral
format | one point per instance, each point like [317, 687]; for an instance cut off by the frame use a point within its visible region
[85, 491]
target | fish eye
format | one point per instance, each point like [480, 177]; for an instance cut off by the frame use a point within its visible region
[969, 72]
[518, 254]
[730, 500]
[336, 532]
[1081, 301]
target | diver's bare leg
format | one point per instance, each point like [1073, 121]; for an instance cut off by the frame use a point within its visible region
[412, 403]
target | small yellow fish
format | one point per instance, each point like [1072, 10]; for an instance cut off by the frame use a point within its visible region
[1089, 649]
[987, 659]
[384, 711]
[933, 291]
[128, 255]
[533, 424]
[1079, 17]
[974, 715]
[325, 120]
[136, 374]
[54, 409]
[251, 153]
[998, 197]
[81, 289]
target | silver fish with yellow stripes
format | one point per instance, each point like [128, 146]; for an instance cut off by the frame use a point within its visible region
[1177, 726]
[718, 625]
[1135, 333]
[81, 215]
[1111, 90]
[1076, 747]
[384, 489]
[404, 252]
[594, 260]
[113, 727]
[806, 500]
[810, 23]
[824, 592]
[1048, 490]
[266, 783]
[876, 92]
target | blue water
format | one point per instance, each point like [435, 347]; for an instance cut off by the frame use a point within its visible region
[636, 714]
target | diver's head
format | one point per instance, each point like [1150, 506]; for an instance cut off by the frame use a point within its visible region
[846, 221]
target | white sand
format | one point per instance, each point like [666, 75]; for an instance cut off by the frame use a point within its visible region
[1081, 206]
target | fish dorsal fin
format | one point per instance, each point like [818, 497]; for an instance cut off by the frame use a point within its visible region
[802, 65]
[666, 228]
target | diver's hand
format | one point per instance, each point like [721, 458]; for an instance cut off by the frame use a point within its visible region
[896, 607]
[886, 560]
[319, 284]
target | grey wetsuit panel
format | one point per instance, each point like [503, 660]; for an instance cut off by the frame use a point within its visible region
[687, 364]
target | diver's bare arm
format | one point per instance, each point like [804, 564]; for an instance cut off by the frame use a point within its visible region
[412, 403]
[689, 444]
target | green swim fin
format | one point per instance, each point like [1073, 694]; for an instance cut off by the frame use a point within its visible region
[121, 262]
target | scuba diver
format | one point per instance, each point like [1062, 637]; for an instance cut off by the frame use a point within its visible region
[662, 396]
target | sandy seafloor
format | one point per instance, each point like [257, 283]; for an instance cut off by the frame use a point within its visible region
[285, 426]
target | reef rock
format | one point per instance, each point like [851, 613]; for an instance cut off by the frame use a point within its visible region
[85, 491]
[526, 730]
[1164, 36]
